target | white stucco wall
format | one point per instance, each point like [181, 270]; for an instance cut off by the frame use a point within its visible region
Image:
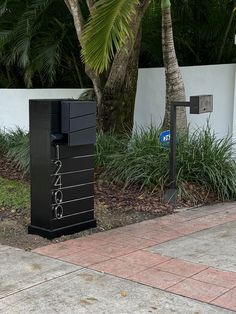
[14, 104]
[218, 80]
[234, 111]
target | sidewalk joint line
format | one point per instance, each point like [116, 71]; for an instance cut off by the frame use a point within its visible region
[40, 283]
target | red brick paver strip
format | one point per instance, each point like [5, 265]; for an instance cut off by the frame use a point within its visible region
[144, 258]
[156, 278]
[227, 300]
[137, 232]
[136, 243]
[162, 236]
[121, 252]
[217, 277]
[181, 268]
[84, 258]
[56, 250]
[117, 237]
[118, 268]
[113, 250]
[140, 231]
[136, 229]
[157, 226]
[172, 219]
[84, 243]
[198, 290]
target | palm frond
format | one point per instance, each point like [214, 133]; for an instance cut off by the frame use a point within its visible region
[38, 37]
[106, 31]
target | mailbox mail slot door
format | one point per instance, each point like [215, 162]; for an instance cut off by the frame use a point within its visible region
[74, 110]
[79, 122]
[82, 137]
[77, 108]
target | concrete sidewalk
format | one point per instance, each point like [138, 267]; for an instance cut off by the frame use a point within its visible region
[183, 263]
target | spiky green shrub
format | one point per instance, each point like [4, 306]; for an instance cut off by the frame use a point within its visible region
[201, 158]
[14, 145]
[208, 161]
[3, 142]
[142, 161]
[107, 145]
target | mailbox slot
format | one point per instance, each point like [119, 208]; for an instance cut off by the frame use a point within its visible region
[78, 122]
[201, 104]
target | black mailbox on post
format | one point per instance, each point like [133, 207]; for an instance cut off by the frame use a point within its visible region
[201, 104]
[197, 104]
[62, 138]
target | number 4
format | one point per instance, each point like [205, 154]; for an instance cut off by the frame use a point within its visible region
[58, 181]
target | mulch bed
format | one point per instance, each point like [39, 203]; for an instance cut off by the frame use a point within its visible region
[114, 207]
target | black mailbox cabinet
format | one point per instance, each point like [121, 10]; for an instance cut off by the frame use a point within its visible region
[62, 138]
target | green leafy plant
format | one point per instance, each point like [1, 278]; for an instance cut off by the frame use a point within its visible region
[202, 159]
[143, 161]
[209, 161]
[3, 142]
[108, 144]
[15, 146]
[38, 45]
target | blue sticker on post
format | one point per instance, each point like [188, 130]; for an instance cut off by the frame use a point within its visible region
[165, 138]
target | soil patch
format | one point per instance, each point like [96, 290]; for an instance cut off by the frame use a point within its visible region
[114, 207]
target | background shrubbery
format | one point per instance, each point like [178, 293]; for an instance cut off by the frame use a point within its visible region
[201, 158]
[209, 161]
[142, 161]
[14, 145]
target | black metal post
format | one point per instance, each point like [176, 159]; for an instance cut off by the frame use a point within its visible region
[171, 193]
[172, 174]
[197, 104]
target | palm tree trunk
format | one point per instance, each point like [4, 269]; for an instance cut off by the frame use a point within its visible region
[118, 96]
[174, 82]
[115, 90]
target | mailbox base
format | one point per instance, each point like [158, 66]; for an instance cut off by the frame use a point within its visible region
[54, 233]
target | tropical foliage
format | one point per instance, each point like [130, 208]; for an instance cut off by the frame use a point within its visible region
[14, 145]
[114, 79]
[107, 31]
[38, 37]
[143, 161]
[199, 31]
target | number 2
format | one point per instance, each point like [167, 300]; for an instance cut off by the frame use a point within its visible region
[59, 164]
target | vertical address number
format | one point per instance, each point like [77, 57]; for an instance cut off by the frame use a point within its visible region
[58, 193]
